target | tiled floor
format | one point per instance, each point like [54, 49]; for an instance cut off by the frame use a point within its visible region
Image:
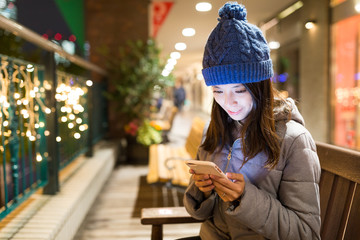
[115, 214]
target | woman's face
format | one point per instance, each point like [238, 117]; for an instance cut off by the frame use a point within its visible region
[235, 99]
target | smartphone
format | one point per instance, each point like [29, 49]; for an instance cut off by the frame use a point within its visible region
[205, 167]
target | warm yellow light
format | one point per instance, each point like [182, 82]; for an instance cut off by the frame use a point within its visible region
[58, 139]
[309, 24]
[38, 157]
[63, 119]
[32, 94]
[89, 83]
[77, 135]
[357, 7]
[30, 68]
[290, 9]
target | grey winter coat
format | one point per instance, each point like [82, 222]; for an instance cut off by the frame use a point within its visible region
[282, 203]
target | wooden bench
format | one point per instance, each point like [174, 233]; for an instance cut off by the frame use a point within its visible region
[166, 123]
[166, 162]
[163, 111]
[339, 197]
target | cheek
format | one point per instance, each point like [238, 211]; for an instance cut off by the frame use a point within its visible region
[249, 102]
[219, 100]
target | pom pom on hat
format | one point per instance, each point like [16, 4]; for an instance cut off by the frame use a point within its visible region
[233, 10]
[236, 51]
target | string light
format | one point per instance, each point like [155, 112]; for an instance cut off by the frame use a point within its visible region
[29, 98]
[39, 157]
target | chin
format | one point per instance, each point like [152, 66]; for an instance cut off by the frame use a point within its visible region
[237, 118]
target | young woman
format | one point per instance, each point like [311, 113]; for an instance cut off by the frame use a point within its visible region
[258, 139]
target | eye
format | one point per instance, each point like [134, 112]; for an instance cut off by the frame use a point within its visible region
[217, 91]
[240, 91]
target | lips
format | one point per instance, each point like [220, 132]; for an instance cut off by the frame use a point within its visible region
[233, 113]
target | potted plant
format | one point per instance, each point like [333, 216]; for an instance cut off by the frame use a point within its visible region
[135, 72]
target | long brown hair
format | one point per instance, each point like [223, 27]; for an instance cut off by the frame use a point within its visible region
[258, 132]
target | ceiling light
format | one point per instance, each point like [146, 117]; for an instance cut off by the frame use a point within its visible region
[169, 67]
[291, 9]
[357, 7]
[274, 45]
[310, 24]
[180, 46]
[203, 6]
[188, 32]
[172, 61]
[165, 73]
[175, 55]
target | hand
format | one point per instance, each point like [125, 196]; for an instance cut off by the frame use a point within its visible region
[229, 190]
[203, 182]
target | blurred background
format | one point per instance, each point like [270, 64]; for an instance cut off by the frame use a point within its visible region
[77, 72]
[314, 47]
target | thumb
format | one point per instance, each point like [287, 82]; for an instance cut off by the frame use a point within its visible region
[235, 177]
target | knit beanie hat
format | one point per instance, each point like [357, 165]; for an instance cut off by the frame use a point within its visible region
[236, 51]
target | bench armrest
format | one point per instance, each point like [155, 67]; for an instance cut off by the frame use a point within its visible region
[165, 215]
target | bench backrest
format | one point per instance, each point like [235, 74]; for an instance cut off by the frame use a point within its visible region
[339, 196]
[339, 192]
[194, 138]
[172, 115]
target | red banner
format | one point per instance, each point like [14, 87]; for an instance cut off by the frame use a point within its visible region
[160, 11]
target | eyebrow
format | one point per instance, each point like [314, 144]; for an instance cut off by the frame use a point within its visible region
[236, 86]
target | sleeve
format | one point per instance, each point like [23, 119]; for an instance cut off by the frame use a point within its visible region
[295, 213]
[196, 204]
[194, 200]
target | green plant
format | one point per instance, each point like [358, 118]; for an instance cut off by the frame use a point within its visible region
[148, 134]
[134, 73]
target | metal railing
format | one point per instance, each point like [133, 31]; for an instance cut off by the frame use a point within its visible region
[48, 118]
[22, 122]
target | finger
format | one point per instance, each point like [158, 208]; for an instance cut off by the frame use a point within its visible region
[207, 188]
[224, 196]
[203, 183]
[233, 190]
[236, 177]
[200, 177]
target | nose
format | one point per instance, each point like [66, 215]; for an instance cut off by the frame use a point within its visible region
[230, 100]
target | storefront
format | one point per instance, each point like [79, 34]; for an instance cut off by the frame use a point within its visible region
[345, 73]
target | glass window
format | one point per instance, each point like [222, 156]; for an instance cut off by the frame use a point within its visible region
[345, 77]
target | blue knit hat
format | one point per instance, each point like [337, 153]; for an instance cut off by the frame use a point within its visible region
[236, 51]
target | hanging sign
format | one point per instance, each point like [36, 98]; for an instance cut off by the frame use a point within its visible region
[160, 11]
